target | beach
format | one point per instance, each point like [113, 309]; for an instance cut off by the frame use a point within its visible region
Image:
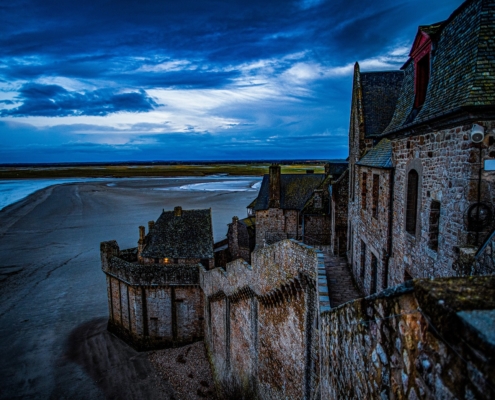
[53, 302]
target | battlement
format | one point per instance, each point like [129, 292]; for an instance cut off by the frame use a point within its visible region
[261, 321]
[273, 267]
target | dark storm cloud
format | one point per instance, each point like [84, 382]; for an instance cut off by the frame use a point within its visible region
[84, 39]
[55, 101]
[284, 67]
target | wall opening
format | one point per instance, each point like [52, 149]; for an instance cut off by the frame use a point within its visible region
[412, 201]
[364, 190]
[374, 273]
[434, 228]
[375, 195]
[363, 258]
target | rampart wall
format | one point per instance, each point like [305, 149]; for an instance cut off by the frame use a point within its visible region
[422, 339]
[261, 321]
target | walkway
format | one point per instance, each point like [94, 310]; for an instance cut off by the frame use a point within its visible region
[341, 288]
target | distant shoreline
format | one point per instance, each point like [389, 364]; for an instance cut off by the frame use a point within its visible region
[150, 170]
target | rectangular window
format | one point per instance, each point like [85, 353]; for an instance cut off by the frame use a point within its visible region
[422, 78]
[363, 258]
[412, 201]
[434, 228]
[364, 190]
[374, 273]
[375, 194]
[384, 269]
[352, 182]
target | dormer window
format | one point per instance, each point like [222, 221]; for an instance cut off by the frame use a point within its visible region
[422, 77]
[421, 56]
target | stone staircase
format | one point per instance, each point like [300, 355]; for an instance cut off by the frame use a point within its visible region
[341, 287]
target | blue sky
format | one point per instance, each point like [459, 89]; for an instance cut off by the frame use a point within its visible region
[118, 80]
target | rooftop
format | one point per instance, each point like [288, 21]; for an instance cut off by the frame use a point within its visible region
[295, 190]
[379, 156]
[187, 234]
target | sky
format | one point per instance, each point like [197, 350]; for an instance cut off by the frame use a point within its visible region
[120, 80]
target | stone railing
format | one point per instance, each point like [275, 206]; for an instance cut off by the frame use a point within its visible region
[422, 339]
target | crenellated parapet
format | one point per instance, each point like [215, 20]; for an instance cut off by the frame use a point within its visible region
[273, 268]
[261, 321]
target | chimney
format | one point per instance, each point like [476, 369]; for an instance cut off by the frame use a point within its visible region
[327, 169]
[178, 211]
[234, 239]
[140, 241]
[274, 183]
[151, 225]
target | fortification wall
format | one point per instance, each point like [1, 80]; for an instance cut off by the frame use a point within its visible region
[423, 339]
[261, 321]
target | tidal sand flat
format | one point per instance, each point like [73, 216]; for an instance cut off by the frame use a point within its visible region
[53, 302]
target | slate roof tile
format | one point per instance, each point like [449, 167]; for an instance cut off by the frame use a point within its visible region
[295, 190]
[379, 156]
[380, 91]
[187, 236]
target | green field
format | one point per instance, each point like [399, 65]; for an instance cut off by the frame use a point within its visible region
[124, 171]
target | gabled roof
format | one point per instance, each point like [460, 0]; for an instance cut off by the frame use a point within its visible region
[380, 91]
[295, 190]
[379, 156]
[189, 235]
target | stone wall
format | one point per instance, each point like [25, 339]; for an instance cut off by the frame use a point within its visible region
[261, 329]
[448, 165]
[339, 215]
[152, 306]
[372, 230]
[275, 224]
[423, 339]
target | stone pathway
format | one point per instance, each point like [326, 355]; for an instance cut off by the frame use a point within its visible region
[341, 288]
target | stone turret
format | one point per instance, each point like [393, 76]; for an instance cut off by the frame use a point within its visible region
[274, 182]
[151, 225]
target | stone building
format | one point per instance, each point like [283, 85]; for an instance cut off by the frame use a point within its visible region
[374, 97]
[294, 206]
[240, 241]
[420, 201]
[154, 296]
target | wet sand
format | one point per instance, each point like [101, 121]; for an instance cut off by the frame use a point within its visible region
[53, 301]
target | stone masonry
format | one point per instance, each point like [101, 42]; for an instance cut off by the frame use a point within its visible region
[448, 163]
[421, 340]
[152, 305]
[261, 321]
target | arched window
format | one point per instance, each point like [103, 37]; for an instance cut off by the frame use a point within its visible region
[412, 201]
